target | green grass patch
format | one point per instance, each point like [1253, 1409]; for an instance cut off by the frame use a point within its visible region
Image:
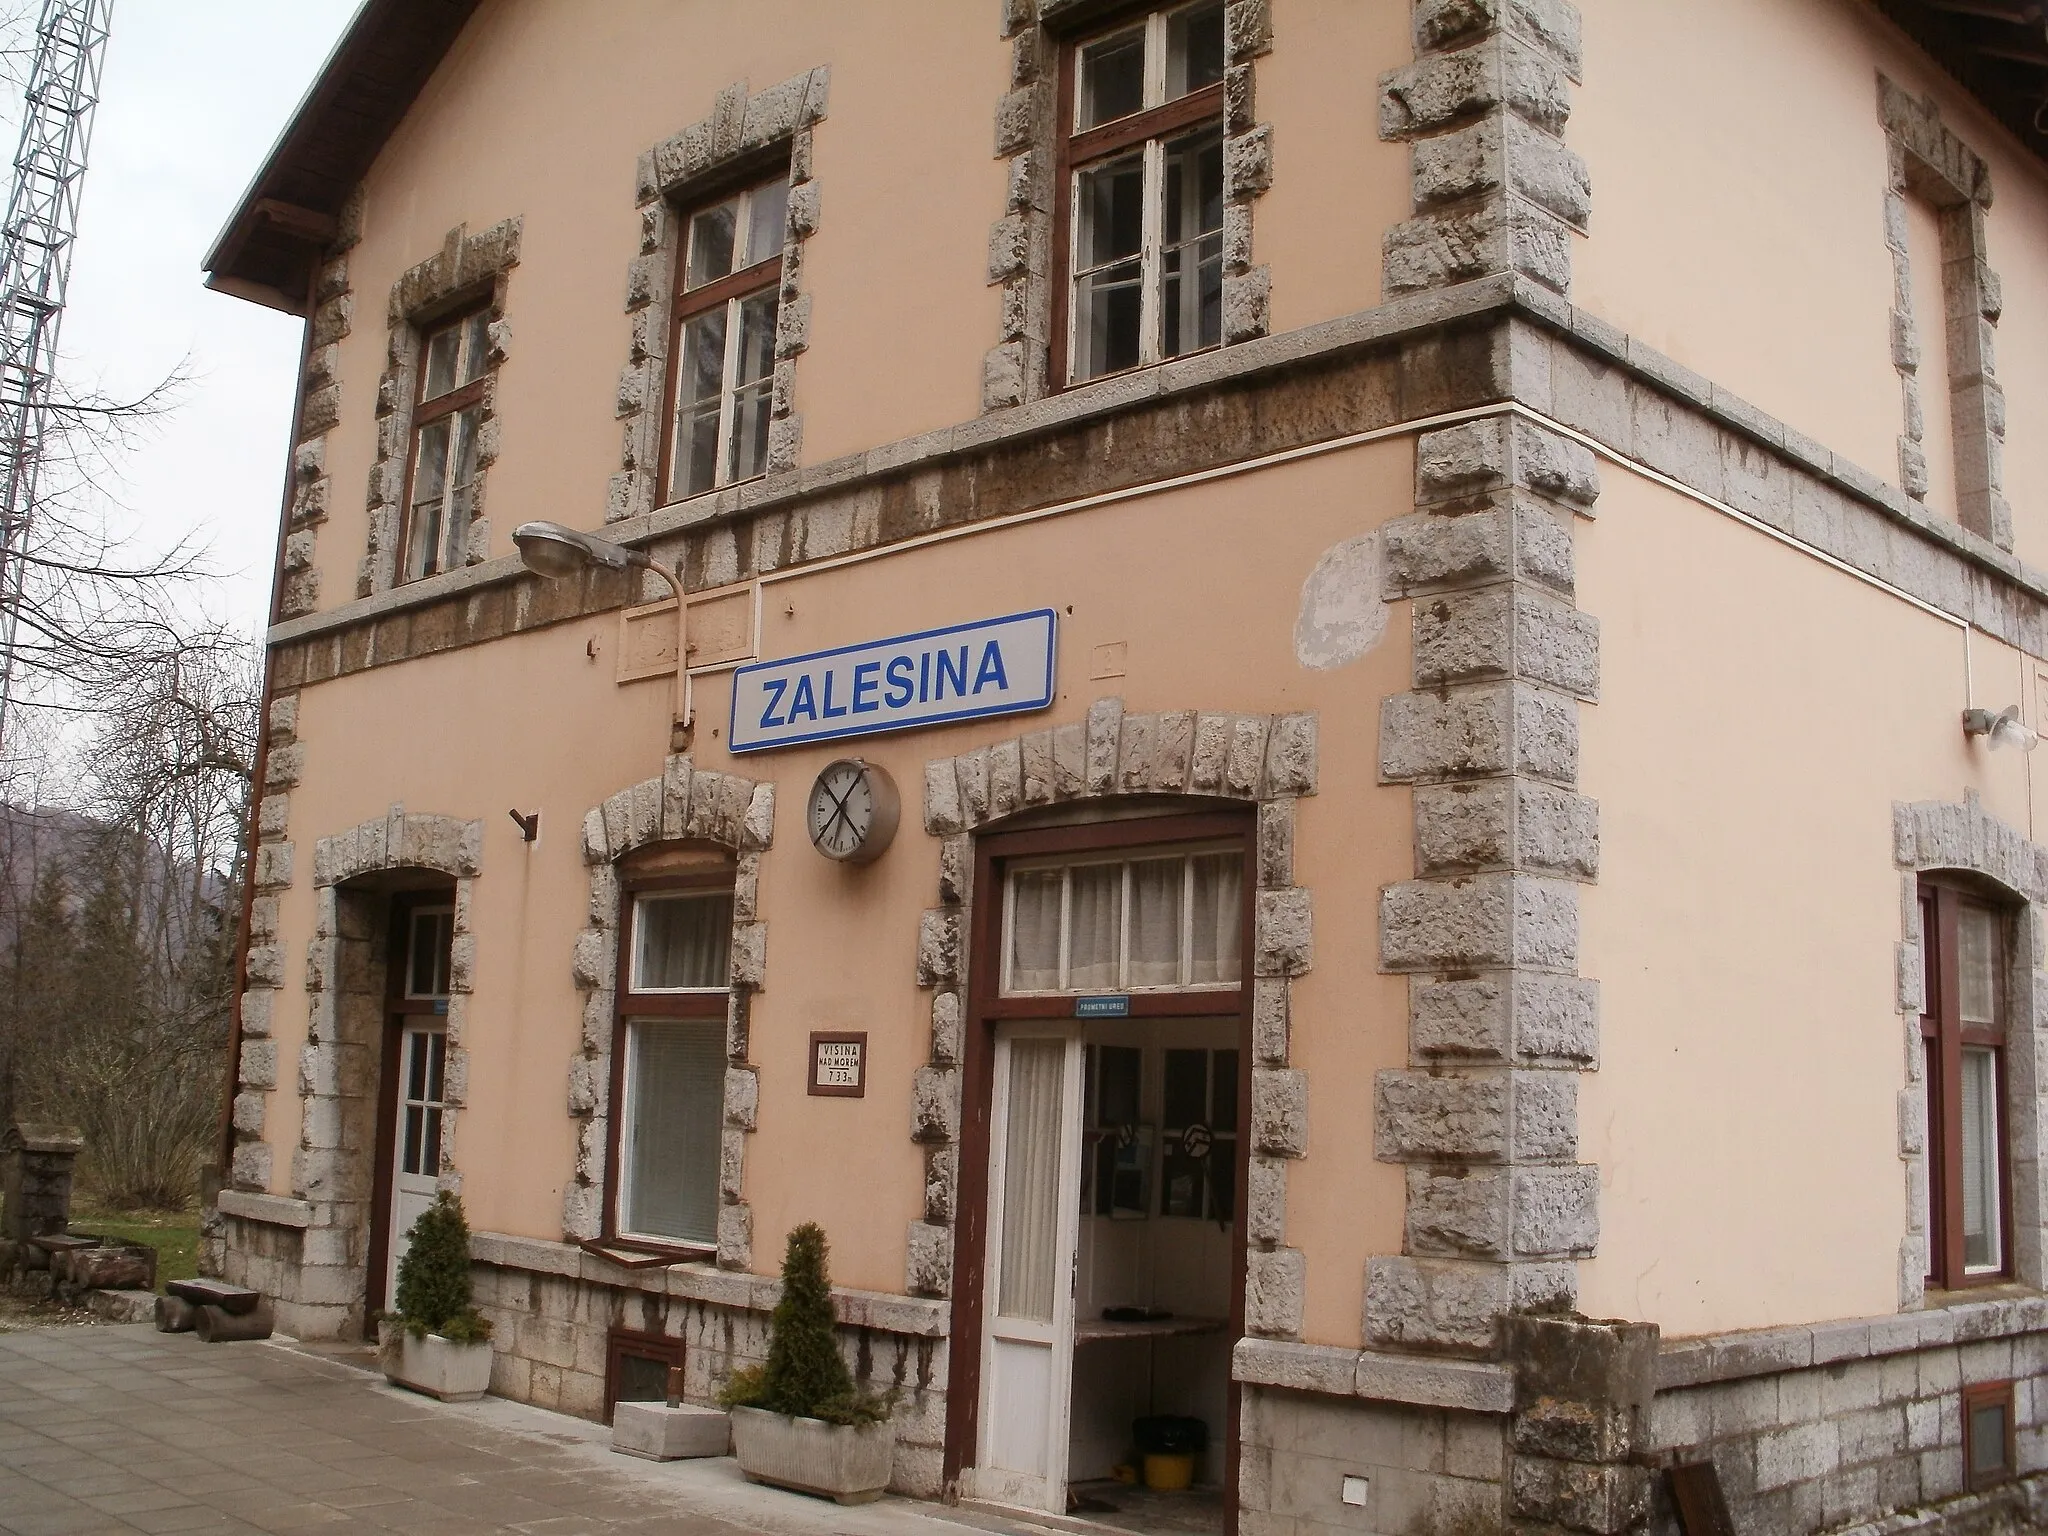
[173, 1234]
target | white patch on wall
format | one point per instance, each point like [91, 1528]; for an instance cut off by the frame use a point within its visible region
[1342, 616]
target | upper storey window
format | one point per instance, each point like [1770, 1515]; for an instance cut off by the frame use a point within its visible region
[454, 362]
[723, 347]
[1142, 178]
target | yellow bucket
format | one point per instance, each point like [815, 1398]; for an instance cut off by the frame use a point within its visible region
[1169, 1474]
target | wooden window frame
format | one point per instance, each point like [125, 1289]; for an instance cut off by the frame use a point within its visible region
[397, 1009]
[1077, 151]
[726, 292]
[1943, 1037]
[1989, 1394]
[643, 1005]
[425, 413]
[621, 1342]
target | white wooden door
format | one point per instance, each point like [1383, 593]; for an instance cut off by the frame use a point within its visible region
[416, 1158]
[1027, 1361]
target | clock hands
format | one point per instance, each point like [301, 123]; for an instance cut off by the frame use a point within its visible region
[838, 813]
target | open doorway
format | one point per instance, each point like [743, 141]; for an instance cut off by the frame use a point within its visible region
[1102, 1282]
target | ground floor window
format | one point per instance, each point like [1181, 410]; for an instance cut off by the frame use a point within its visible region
[1963, 1034]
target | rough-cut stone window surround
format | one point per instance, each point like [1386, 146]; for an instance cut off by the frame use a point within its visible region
[311, 489]
[1252, 759]
[1928, 162]
[1563, 363]
[684, 803]
[1931, 837]
[1485, 1118]
[741, 129]
[1024, 363]
[553, 1303]
[466, 269]
[1483, 107]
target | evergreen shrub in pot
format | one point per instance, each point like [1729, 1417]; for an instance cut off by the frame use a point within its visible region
[437, 1342]
[797, 1421]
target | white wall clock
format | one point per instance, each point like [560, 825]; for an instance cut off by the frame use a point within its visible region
[853, 811]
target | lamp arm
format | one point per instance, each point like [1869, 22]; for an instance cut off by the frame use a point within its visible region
[685, 709]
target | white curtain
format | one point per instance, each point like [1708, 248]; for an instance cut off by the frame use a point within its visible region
[1035, 930]
[1031, 1193]
[1217, 920]
[1094, 945]
[1157, 906]
[676, 1102]
[1980, 1160]
[682, 941]
[1977, 938]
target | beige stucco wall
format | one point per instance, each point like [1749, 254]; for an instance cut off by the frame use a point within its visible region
[534, 723]
[543, 106]
[1760, 713]
[1738, 170]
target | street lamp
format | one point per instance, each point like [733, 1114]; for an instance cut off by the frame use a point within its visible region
[551, 550]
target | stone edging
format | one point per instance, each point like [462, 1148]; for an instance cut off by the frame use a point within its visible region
[1693, 1362]
[909, 1315]
[1473, 1385]
[1270, 761]
[685, 802]
[740, 129]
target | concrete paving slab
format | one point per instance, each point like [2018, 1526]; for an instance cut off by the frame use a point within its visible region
[121, 1429]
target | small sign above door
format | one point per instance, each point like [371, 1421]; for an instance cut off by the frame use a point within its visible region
[1118, 1007]
[964, 672]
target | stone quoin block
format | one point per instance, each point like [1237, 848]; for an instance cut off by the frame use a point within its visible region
[928, 1265]
[1280, 1112]
[1481, 1115]
[1503, 1212]
[1506, 631]
[1522, 1016]
[1577, 1496]
[1266, 1202]
[1273, 1293]
[1504, 452]
[1506, 536]
[1453, 1305]
[1442, 90]
[735, 1236]
[1478, 922]
[1477, 731]
[1283, 933]
[1503, 824]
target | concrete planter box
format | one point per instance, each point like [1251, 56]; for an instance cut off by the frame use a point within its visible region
[846, 1462]
[661, 1433]
[455, 1373]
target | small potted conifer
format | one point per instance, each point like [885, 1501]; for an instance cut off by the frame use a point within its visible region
[797, 1421]
[438, 1342]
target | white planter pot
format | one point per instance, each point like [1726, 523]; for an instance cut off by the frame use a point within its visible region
[455, 1373]
[846, 1462]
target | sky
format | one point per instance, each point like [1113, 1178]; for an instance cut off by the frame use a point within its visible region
[194, 94]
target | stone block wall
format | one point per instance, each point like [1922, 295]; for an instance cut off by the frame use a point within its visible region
[552, 1307]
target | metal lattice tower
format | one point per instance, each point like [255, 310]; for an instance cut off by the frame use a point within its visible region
[35, 270]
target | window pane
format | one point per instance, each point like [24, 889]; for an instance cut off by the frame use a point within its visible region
[1108, 282]
[430, 1144]
[415, 1125]
[1035, 930]
[642, 1379]
[676, 1078]
[1977, 960]
[1981, 1245]
[430, 465]
[437, 1062]
[1217, 920]
[1112, 211]
[416, 1066]
[699, 383]
[767, 207]
[1191, 306]
[1094, 942]
[432, 934]
[1122, 1086]
[1111, 78]
[1186, 1086]
[750, 432]
[1223, 1095]
[443, 357]
[1031, 1193]
[1194, 49]
[422, 553]
[711, 243]
[1156, 912]
[682, 941]
[755, 364]
[1987, 1438]
[476, 345]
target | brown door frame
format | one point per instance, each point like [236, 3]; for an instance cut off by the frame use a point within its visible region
[398, 1008]
[985, 1009]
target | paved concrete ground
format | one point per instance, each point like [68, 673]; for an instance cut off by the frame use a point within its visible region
[125, 1429]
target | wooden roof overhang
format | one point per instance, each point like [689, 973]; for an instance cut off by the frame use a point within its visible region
[1996, 49]
[290, 213]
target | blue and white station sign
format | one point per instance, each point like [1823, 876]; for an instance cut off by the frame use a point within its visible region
[990, 667]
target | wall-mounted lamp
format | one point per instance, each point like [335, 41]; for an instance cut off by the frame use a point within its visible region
[552, 550]
[2003, 729]
[529, 826]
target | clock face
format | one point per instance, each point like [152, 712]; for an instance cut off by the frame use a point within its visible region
[852, 811]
